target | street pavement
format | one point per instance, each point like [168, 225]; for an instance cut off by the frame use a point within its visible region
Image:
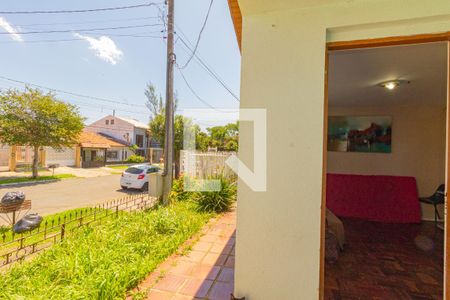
[53, 197]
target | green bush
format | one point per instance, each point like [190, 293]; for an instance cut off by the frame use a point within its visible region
[178, 192]
[219, 200]
[135, 159]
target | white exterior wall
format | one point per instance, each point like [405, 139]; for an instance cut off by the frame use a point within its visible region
[283, 63]
[121, 130]
[65, 157]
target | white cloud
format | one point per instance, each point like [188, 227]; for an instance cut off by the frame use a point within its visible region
[104, 48]
[13, 32]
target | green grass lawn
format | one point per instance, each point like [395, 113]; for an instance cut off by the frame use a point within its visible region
[105, 261]
[40, 178]
[49, 225]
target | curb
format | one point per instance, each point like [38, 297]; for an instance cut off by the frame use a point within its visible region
[27, 183]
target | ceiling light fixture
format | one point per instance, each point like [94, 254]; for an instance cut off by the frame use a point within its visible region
[392, 84]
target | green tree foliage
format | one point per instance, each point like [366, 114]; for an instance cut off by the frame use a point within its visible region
[158, 131]
[155, 102]
[224, 138]
[32, 118]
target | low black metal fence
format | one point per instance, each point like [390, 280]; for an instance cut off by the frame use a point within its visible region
[18, 247]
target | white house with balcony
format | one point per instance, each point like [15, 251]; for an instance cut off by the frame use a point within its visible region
[126, 130]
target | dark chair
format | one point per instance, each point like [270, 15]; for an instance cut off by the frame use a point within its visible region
[437, 198]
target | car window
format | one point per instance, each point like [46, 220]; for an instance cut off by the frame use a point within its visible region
[134, 170]
[152, 170]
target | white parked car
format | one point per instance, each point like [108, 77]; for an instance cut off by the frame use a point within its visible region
[136, 177]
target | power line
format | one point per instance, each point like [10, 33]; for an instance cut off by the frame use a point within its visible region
[197, 96]
[78, 10]
[70, 93]
[76, 39]
[199, 36]
[81, 30]
[211, 72]
[197, 54]
[86, 22]
[100, 107]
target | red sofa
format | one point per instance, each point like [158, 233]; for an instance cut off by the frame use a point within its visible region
[390, 199]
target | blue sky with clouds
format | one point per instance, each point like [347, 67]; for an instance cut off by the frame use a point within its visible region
[116, 64]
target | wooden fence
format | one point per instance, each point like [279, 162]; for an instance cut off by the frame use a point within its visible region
[205, 165]
[18, 247]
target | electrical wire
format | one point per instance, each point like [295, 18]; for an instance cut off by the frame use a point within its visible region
[210, 71]
[199, 36]
[69, 93]
[80, 30]
[198, 97]
[77, 39]
[86, 22]
[78, 10]
[197, 54]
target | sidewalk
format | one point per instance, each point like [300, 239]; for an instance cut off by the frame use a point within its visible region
[78, 172]
[206, 272]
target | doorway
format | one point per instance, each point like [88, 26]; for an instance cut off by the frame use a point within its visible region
[374, 140]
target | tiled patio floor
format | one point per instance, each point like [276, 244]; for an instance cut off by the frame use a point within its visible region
[206, 272]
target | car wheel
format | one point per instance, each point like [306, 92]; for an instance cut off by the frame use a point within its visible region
[144, 187]
[124, 187]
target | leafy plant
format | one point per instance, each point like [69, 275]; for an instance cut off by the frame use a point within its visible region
[165, 223]
[135, 159]
[220, 199]
[178, 192]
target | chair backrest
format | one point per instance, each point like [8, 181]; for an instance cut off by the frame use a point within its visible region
[439, 195]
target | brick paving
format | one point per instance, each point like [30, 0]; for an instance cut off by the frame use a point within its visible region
[206, 272]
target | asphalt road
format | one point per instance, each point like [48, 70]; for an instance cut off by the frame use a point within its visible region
[49, 198]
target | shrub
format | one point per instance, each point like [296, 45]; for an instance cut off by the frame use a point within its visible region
[178, 192]
[220, 200]
[135, 159]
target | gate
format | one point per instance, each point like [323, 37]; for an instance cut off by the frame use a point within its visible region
[4, 157]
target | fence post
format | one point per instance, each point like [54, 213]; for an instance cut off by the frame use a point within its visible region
[63, 231]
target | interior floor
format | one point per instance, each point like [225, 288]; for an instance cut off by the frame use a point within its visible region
[387, 261]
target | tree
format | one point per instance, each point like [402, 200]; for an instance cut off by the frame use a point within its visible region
[158, 131]
[32, 118]
[224, 138]
[155, 102]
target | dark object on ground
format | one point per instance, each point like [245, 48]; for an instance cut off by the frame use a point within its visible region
[437, 198]
[13, 197]
[29, 222]
[331, 247]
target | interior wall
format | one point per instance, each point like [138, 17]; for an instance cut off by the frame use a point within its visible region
[418, 148]
[283, 70]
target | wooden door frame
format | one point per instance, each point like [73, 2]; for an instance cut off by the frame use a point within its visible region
[374, 43]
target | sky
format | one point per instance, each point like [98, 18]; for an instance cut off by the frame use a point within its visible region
[112, 66]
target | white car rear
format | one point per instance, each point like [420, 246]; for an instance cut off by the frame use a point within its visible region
[136, 177]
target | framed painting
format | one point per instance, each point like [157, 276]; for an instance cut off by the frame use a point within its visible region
[360, 134]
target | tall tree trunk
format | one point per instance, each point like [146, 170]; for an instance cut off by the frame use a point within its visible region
[35, 161]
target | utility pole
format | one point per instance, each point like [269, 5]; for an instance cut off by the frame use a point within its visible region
[169, 120]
